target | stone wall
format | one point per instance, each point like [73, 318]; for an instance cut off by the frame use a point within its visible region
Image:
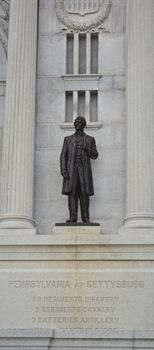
[107, 206]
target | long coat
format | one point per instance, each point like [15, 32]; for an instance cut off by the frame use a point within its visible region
[67, 161]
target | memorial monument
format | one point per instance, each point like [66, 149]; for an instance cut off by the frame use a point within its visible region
[77, 287]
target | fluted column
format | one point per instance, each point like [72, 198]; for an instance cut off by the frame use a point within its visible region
[19, 121]
[140, 113]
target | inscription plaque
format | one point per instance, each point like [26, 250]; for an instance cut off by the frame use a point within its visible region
[77, 300]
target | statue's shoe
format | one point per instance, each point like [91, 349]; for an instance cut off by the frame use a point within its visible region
[85, 220]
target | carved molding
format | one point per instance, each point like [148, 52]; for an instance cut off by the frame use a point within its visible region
[84, 14]
[4, 23]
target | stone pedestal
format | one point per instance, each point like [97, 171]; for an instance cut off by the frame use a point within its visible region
[78, 285]
[77, 228]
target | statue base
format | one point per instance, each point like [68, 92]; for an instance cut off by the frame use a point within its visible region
[77, 228]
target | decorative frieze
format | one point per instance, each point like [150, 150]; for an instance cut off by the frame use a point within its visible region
[84, 14]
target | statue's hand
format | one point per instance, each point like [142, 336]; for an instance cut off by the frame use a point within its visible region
[65, 175]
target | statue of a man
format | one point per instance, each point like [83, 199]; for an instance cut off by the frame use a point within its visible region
[76, 170]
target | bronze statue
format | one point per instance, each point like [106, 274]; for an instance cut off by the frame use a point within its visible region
[76, 170]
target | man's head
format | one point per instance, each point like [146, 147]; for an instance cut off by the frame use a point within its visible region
[80, 123]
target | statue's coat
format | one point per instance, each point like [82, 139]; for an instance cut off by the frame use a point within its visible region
[67, 161]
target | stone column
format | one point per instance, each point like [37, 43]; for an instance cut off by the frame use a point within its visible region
[140, 113]
[19, 122]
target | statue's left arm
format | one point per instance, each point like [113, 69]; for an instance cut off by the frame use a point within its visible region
[91, 149]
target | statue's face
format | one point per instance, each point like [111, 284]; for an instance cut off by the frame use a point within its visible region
[79, 123]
